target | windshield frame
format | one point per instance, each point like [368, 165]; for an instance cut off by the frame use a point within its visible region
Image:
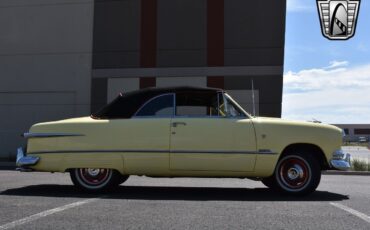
[235, 104]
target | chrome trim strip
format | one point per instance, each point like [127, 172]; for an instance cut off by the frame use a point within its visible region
[102, 151]
[212, 152]
[266, 152]
[43, 135]
[193, 117]
[158, 151]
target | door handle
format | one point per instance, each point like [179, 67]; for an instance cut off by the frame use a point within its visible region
[175, 124]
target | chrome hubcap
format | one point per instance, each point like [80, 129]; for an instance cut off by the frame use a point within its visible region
[93, 172]
[94, 176]
[295, 172]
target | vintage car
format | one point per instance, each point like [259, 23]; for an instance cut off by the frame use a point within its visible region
[183, 132]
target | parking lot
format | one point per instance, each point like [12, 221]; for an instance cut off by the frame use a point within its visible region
[358, 152]
[49, 201]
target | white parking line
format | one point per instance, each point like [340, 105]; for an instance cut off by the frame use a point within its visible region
[352, 211]
[44, 214]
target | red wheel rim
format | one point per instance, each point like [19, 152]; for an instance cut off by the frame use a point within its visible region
[94, 177]
[294, 173]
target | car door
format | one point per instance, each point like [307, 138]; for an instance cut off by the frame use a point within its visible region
[145, 137]
[202, 141]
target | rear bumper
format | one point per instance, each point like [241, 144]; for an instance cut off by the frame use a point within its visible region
[341, 161]
[23, 160]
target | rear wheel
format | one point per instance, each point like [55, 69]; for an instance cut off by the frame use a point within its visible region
[297, 174]
[95, 179]
[269, 182]
[121, 179]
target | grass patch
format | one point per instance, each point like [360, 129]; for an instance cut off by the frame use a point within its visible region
[360, 165]
[356, 144]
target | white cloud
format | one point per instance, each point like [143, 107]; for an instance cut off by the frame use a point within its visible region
[332, 94]
[300, 5]
[335, 64]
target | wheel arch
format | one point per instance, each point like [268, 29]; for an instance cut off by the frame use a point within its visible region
[69, 170]
[306, 148]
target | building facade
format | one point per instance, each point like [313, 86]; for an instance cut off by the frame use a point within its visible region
[356, 132]
[67, 58]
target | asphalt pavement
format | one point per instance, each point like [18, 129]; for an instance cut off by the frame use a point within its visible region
[49, 201]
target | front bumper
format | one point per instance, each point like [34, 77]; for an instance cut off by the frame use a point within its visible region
[341, 160]
[23, 160]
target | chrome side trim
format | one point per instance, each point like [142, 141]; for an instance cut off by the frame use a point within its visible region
[43, 135]
[213, 152]
[266, 152]
[102, 151]
[152, 151]
[23, 160]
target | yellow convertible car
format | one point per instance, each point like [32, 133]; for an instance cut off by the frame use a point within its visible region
[183, 132]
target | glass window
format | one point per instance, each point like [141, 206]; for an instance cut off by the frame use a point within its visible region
[197, 104]
[161, 106]
[228, 107]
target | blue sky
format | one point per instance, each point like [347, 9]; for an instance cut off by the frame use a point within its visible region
[323, 79]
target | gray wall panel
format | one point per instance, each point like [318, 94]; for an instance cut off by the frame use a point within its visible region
[182, 32]
[254, 57]
[46, 29]
[117, 34]
[124, 59]
[181, 58]
[57, 72]
[254, 32]
[23, 3]
[45, 63]
[254, 23]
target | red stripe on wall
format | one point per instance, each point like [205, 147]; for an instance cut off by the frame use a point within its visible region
[148, 37]
[215, 32]
[216, 82]
[215, 40]
[146, 82]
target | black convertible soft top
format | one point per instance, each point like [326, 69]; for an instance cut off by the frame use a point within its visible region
[126, 104]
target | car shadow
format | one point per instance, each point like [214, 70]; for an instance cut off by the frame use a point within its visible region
[172, 193]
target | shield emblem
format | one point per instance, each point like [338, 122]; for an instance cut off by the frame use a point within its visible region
[338, 18]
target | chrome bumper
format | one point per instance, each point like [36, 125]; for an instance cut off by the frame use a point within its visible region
[341, 161]
[23, 160]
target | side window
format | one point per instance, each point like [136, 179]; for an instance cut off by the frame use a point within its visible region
[196, 104]
[161, 106]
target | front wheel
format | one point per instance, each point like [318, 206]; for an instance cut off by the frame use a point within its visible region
[94, 179]
[297, 174]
